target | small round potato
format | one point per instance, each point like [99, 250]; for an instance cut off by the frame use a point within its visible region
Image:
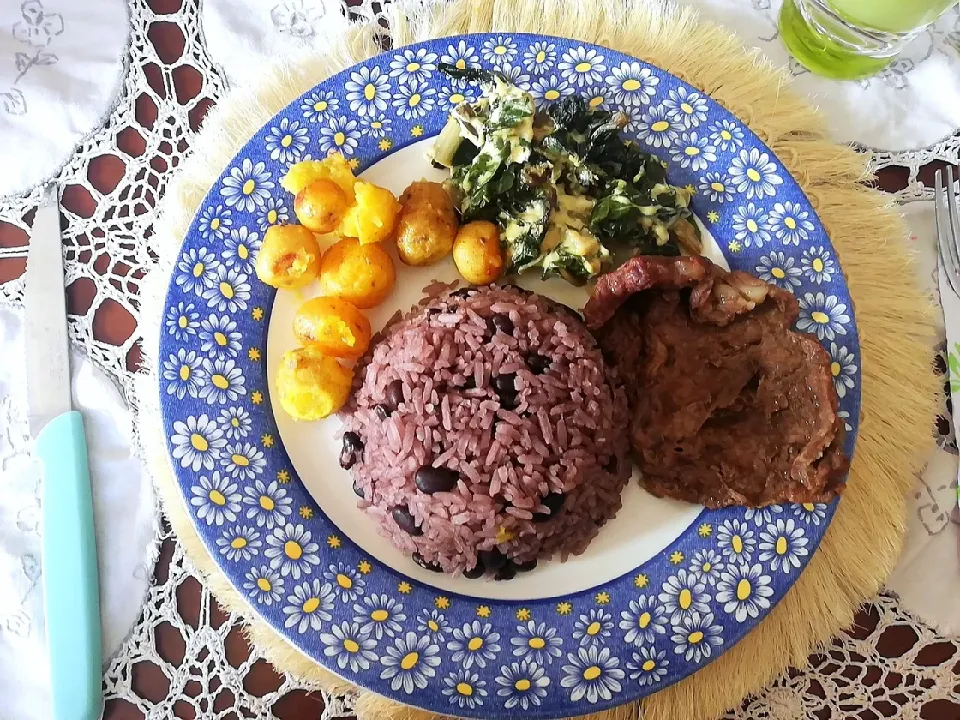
[334, 326]
[312, 385]
[428, 224]
[289, 257]
[321, 205]
[477, 253]
[360, 274]
[374, 215]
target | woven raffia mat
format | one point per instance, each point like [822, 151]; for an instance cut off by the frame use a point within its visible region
[899, 388]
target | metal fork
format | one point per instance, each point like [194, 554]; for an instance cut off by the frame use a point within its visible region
[948, 228]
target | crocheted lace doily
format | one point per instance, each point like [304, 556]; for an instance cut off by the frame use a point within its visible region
[890, 664]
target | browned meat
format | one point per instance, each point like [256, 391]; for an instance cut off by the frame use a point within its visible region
[730, 406]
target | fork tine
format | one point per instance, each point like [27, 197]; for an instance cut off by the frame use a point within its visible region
[946, 238]
[954, 212]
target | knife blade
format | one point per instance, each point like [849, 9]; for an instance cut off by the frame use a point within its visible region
[69, 565]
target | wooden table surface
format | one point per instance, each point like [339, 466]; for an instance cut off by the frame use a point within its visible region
[113, 324]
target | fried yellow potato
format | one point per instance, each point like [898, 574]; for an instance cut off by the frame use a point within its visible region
[360, 274]
[333, 167]
[427, 225]
[289, 257]
[374, 215]
[312, 385]
[477, 253]
[334, 326]
[321, 206]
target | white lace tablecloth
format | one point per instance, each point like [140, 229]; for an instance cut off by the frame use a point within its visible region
[912, 111]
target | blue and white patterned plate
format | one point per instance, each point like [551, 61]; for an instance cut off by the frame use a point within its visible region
[575, 638]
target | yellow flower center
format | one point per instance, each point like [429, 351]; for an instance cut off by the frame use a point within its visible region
[310, 605]
[551, 94]
[457, 98]
[707, 566]
[226, 289]
[660, 126]
[238, 543]
[267, 503]
[717, 186]
[264, 584]
[376, 125]
[781, 545]
[644, 620]
[249, 186]
[753, 175]
[537, 643]
[596, 101]
[592, 673]
[809, 507]
[215, 224]
[413, 67]
[464, 689]
[235, 422]
[686, 107]
[790, 222]
[344, 582]
[286, 141]
[725, 134]
[820, 317]
[695, 637]
[198, 269]
[500, 50]
[217, 498]
[461, 64]
[242, 252]
[817, 264]
[220, 339]
[778, 273]
[475, 644]
[433, 625]
[292, 550]
[320, 105]
[743, 589]
[835, 368]
[409, 660]
[648, 665]
[185, 372]
[631, 85]
[582, 67]
[541, 56]
[199, 442]
[593, 628]
[736, 542]
[685, 599]
[240, 460]
[379, 615]
[339, 138]
[414, 100]
[369, 91]
[691, 150]
[271, 217]
[752, 225]
[350, 646]
[522, 685]
[220, 381]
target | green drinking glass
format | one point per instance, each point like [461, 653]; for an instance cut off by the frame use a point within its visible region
[851, 39]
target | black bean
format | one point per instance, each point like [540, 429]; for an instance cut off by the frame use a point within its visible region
[538, 363]
[433, 311]
[382, 411]
[463, 292]
[437, 165]
[503, 323]
[469, 383]
[505, 384]
[553, 501]
[491, 329]
[406, 521]
[426, 564]
[525, 566]
[508, 401]
[507, 572]
[357, 490]
[517, 289]
[393, 394]
[474, 572]
[612, 465]
[436, 479]
[492, 559]
[352, 450]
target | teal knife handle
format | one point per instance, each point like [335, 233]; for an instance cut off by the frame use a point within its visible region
[71, 591]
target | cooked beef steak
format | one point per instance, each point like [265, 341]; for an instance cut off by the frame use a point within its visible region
[729, 405]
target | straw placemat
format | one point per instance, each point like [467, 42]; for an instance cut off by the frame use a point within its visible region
[899, 387]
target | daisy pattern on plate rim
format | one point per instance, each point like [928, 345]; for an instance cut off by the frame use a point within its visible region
[648, 666]
[461, 55]
[414, 100]
[246, 187]
[817, 264]
[682, 594]
[736, 540]
[779, 269]
[240, 249]
[464, 688]
[216, 499]
[455, 93]
[180, 372]
[264, 585]
[726, 135]
[240, 543]
[654, 128]
[196, 269]
[410, 662]
[550, 89]
[754, 174]
[715, 186]
[350, 646]
[538, 643]
[272, 212]
[235, 422]
[287, 141]
[346, 581]
[593, 627]
[810, 513]
[340, 135]
[319, 105]
[751, 225]
[221, 380]
[744, 591]
[474, 644]
[593, 673]
[380, 614]
[763, 515]
[540, 56]
[377, 126]
[707, 565]
[368, 91]
[228, 291]
[686, 107]
[267, 504]
[412, 65]
[197, 442]
[499, 50]
[219, 336]
[515, 75]
[823, 315]
[790, 223]
[632, 85]
[643, 620]
[695, 636]
[310, 606]
[214, 222]
[782, 545]
[843, 368]
[581, 66]
[523, 684]
[243, 460]
[433, 623]
[693, 151]
[291, 549]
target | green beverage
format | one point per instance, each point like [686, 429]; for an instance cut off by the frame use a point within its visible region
[850, 39]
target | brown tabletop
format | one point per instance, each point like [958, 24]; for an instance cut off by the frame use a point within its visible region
[113, 324]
